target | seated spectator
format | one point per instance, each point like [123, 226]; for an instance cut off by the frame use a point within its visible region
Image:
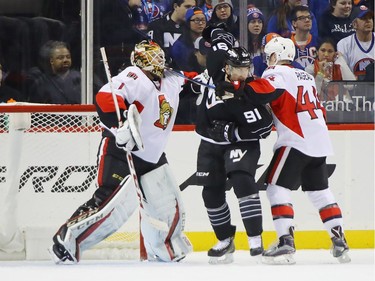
[281, 21]
[166, 30]
[259, 61]
[304, 41]
[358, 48]
[336, 22]
[329, 66]
[182, 51]
[223, 12]
[256, 30]
[54, 82]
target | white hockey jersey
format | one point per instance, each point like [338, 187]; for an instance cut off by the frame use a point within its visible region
[298, 115]
[157, 108]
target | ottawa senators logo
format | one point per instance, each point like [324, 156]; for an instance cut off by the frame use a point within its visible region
[165, 113]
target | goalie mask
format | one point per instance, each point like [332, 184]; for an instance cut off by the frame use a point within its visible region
[283, 48]
[149, 56]
[238, 63]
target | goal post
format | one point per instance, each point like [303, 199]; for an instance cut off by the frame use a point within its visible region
[48, 169]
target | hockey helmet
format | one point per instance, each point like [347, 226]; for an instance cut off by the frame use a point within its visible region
[238, 57]
[149, 56]
[284, 49]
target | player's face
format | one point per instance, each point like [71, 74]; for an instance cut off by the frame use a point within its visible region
[255, 26]
[237, 73]
[326, 52]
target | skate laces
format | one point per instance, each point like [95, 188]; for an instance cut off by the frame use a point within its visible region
[222, 244]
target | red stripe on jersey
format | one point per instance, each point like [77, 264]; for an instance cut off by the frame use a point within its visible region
[282, 211]
[261, 86]
[330, 213]
[284, 109]
[103, 153]
[105, 101]
[280, 154]
[139, 106]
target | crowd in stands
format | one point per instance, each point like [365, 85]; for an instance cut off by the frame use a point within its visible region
[334, 40]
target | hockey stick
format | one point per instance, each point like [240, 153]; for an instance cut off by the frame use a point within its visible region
[178, 73]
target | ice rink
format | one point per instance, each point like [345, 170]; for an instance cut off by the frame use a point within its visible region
[314, 265]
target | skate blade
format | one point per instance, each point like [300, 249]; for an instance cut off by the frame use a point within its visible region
[344, 258]
[226, 259]
[257, 258]
[282, 259]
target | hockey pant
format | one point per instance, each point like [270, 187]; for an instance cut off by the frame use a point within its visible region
[163, 216]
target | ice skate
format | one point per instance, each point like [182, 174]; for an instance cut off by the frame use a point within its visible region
[281, 253]
[222, 252]
[63, 252]
[256, 247]
[340, 248]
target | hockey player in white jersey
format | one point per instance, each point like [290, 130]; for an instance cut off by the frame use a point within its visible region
[156, 96]
[300, 151]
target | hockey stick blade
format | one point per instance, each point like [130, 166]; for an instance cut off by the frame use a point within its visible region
[193, 180]
[135, 121]
[263, 186]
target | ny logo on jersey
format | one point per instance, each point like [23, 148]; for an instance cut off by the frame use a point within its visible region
[236, 155]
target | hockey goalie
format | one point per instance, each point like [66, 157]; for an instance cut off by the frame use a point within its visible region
[147, 100]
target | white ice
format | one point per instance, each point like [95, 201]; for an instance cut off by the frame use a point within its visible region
[314, 265]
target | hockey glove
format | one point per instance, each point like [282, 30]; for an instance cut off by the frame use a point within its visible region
[206, 33]
[124, 137]
[222, 131]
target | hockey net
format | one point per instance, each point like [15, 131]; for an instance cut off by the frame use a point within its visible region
[47, 169]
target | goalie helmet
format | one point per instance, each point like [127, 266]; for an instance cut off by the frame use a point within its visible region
[284, 49]
[149, 56]
[238, 57]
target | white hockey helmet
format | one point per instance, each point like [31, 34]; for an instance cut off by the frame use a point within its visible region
[284, 49]
[149, 56]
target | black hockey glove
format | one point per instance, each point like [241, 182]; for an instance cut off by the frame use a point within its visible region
[206, 33]
[222, 87]
[222, 131]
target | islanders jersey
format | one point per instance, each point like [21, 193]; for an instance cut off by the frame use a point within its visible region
[305, 54]
[297, 114]
[157, 107]
[357, 54]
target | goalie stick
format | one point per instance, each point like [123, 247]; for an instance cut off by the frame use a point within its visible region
[175, 72]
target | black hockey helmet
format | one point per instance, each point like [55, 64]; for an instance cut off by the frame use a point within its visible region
[238, 57]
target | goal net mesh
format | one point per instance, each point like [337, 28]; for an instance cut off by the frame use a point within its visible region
[47, 169]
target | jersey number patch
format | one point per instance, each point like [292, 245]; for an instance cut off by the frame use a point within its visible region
[305, 104]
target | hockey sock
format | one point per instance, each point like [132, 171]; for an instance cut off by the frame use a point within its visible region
[251, 213]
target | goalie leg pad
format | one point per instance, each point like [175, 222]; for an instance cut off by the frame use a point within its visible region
[163, 216]
[89, 228]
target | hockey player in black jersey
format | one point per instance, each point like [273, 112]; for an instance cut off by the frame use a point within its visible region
[228, 151]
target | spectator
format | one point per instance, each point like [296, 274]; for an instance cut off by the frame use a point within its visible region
[260, 63]
[54, 81]
[358, 48]
[336, 22]
[304, 41]
[115, 30]
[206, 6]
[223, 12]
[281, 22]
[166, 30]
[329, 66]
[256, 30]
[182, 52]
[149, 11]
[318, 7]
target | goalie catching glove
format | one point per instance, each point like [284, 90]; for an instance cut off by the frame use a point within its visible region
[128, 136]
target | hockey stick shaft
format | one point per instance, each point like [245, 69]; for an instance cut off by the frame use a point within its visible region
[178, 73]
